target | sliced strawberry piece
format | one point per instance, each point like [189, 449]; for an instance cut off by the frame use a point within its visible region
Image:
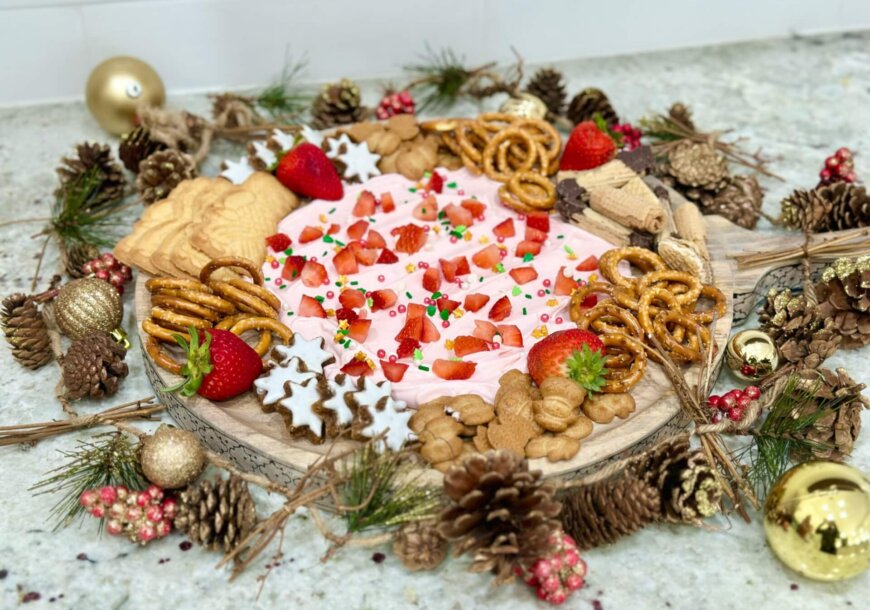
[510, 335]
[352, 298]
[293, 267]
[465, 344]
[407, 347]
[415, 310]
[524, 275]
[458, 216]
[387, 257]
[539, 221]
[505, 228]
[346, 313]
[474, 206]
[453, 369]
[383, 299]
[413, 329]
[358, 330]
[357, 368]
[411, 238]
[436, 183]
[375, 240]
[533, 234]
[279, 242]
[590, 263]
[310, 234]
[393, 371]
[589, 302]
[345, 262]
[462, 267]
[432, 279]
[500, 309]
[430, 332]
[444, 304]
[310, 308]
[487, 258]
[564, 285]
[314, 274]
[485, 330]
[366, 256]
[448, 268]
[387, 202]
[333, 229]
[357, 229]
[475, 301]
[528, 247]
[426, 209]
[365, 204]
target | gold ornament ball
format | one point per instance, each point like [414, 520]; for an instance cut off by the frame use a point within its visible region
[525, 105]
[171, 458]
[87, 306]
[117, 88]
[751, 355]
[817, 520]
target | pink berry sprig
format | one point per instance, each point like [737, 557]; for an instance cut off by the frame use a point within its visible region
[630, 135]
[732, 404]
[839, 167]
[395, 103]
[108, 268]
[559, 574]
[142, 516]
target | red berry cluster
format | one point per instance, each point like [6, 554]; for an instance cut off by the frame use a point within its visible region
[839, 167]
[108, 268]
[395, 103]
[558, 575]
[630, 135]
[732, 404]
[140, 515]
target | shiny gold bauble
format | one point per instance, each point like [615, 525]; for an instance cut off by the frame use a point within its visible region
[117, 88]
[525, 105]
[817, 520]
[87, 306]
[171, 458]
[751, 355]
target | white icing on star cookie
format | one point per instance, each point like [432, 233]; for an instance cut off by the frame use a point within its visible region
[335, 146]
[264, 153]
[337, 403]
[284, 140]
[311, 352]
[311, 136]
[237, 172]
[300, 402]
[272, 386]
[359, 162]
[392, 419]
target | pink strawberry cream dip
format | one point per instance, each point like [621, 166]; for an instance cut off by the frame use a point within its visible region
[458, 238]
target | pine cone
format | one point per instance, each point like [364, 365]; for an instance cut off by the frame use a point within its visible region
[501, 513]
[844, 298]
[136, 146]
[827, 208]
[89, 156]
[420, 546]
[740, 201]
[161, 172]
[216, 514]
[697, 166]
[682, 114]
[93, 366]
[840, 398]
[603, 512]
[851, 207]
[25, 331]
[585, 104]
[798, 329]
[77, 255]
[338, 104]
[547, 84]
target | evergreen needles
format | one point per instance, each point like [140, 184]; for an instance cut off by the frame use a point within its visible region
[76, 220]
[283, 99]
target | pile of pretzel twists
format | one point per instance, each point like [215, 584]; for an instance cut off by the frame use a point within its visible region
[234, 304]
[671, 306]
[519, 152]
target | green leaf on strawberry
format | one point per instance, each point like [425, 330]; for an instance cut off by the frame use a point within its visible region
[198, 363]
[586, 367]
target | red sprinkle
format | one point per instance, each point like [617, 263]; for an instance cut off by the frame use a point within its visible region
[382, 354]
[547, 283]
[545, 317]
[393, 358]
[392, 313]
[329, 294]
[559, 320]
[381, 278]
[275, 264]
[542, 293]
[402, 308]
[453, 239]
[278, 281]
[445, 324]
[500, 240]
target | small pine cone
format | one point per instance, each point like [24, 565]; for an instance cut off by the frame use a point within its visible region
[827, 208]
[136, 146]
[338, 104]
[844, 298]
[548, 85]
[585, 104]
[681, 114]
[161, 172]
[419, 545]
[90, 156]
[25, 331]
[695, 165]
[93, 366]
[217, 514]
[602, 512]
[797, 328]
[77, 255]
[740, 201]
[851, 206]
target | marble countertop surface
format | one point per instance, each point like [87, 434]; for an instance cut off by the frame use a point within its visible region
[799, 99]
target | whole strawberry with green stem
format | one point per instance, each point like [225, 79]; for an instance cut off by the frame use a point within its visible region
[574, 353]
[219, 365]
[589, 146]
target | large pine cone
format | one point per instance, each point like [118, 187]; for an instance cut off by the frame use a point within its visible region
[216, 514]
[419, 545]
[797, 328]
[161, 172]
[740, 201]
[25, 331]
[844, 297]
[547, 85]
[338, 104]
[827, 208]
[136, 146]
[501, 513]
[585, 104]
[693, 165]
[94, 366]
[90, 156]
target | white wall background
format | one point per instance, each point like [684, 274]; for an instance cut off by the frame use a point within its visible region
[48, 47]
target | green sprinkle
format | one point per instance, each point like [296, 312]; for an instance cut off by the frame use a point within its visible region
[354, 283]
[328, 238]
[442, 214]
[418, 354]
[338, 284]
[560, 236]
[325, 254]
[568, 249]
[289, 313]
[524, 311]
[451, 185]
[431, 310]
[499, 267]
[288, 251]
[408, 294]
[371, 219]
[282, 286]
[331, 211]
[528, 296]
[546, 291]
[413, 189]
[423, 367]
[319, 298]
[267, 279]
[528, 257]
[480, 279]
[347, 343]
[340, 243]
[444, 313]
[516, 291]
[436, 294]
[369, 302]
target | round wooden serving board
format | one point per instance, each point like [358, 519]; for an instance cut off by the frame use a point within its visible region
[258, 442]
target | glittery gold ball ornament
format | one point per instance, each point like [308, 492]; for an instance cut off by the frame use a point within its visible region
[86, 306]
[525, 105]
[117, 88]
[171, 458]
[817, 520]
[751, 355]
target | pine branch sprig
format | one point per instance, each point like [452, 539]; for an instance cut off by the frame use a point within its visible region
[76, 221]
